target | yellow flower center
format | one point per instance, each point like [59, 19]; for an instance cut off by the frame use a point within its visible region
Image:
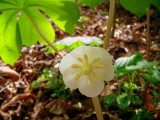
[86, 68]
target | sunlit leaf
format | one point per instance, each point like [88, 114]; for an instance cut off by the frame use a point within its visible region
[27, 12]
[129, 86]
[74, 45]
[65, 14]
[7, 5]
[28, 31]
[71, 43]
[10, 39]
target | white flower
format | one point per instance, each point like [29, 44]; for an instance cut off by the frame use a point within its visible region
[86, 68]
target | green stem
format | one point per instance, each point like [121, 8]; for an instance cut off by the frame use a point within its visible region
[148, 33]
[43, 36]
[97, 107]
[133, 77]
[109, 24]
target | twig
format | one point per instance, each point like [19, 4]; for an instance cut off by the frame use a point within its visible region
[17, 98]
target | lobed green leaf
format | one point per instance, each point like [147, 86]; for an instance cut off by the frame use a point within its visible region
[29, 33]
[65, 14]
[29, 14]
[10, 37]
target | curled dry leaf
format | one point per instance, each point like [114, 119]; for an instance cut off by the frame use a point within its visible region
[4, 70]
[25, 96]
[5, 115]
[36, 110]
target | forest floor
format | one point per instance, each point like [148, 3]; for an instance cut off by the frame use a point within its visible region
[20, 101]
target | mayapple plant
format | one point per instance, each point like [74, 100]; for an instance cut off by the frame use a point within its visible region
[24, 22]
[86, 68]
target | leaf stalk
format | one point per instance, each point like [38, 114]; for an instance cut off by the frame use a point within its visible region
[44, 37]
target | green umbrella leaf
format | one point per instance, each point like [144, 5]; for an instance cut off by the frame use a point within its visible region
[65, 14]
[139, 8]
[27, 12]
[28, 31]
[10, 38]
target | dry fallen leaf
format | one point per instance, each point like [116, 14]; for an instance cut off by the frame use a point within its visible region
[147, 99]
[4, 70]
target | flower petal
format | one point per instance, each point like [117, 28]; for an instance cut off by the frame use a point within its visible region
[107, 72]
[80, 51]
[101, 52]
[66, 63]
[70, 82]
[90, 90]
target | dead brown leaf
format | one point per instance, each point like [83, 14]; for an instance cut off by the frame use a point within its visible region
[4, 70]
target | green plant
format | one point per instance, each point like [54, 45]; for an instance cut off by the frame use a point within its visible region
[53, 82]
[71, 43]
[134, 74]
[24, 22]
[139, 9]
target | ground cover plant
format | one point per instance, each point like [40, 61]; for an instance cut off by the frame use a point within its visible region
[31, 85]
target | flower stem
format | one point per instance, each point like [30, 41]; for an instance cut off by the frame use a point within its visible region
[109, 24]
[43, 36]
[108, 33]
[97, 107]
